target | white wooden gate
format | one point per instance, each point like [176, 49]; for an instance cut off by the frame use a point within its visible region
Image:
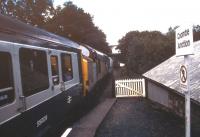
[130, 88]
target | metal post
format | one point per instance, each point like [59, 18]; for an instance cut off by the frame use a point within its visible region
[187, 99]
[185, 47]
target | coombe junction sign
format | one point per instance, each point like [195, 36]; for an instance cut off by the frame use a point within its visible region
[184, 41]
[184, 47]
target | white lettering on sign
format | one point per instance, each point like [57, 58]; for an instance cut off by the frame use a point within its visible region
[42, 120]
[69, 99]
[3, 97]
[184, 41]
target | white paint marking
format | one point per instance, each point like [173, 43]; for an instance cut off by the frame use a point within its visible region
[66, 133]
[69, 99]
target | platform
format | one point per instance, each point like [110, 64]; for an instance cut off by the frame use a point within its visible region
[140, 117]
[88, 125]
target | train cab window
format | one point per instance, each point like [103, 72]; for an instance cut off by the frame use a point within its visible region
[54, 70]
[34, 71]
[67, 73]
[99, 66]
[6, 79]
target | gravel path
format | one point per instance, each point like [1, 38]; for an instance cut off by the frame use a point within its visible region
[139, 117]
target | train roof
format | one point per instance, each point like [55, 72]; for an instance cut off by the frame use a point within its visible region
[168, 73]
[13, 30]
[16, 31]
[98, 53]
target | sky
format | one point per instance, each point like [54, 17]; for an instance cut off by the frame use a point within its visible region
[117, 17]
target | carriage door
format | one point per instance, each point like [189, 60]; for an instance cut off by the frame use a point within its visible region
[70, 77]
[9, 98]
[34, 75]
[55, 72]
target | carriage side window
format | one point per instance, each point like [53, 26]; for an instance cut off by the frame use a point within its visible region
[54, 70]
[6, 79]
[34, 71]
[67, 73]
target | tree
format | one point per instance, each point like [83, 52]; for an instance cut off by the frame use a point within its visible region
[196, 32]
[7, 7]
[144, 50]
[74, 23]
[35, 12]
[71, 22]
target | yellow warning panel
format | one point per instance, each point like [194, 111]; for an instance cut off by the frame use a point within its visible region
[85, 76]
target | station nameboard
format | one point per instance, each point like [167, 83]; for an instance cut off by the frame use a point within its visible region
[184, 41]
[184, 47]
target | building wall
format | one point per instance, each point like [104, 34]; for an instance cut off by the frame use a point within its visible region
[172, 100]
[158, 94]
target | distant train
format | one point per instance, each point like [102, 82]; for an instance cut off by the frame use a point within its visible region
[42, 77]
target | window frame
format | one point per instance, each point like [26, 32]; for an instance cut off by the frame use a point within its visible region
[62, 67]
[35, 91]
[11, 88]
[57, 67]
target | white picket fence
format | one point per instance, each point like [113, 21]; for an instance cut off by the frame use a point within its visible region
[130, 88]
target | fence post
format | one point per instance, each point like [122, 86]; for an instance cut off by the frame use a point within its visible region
[143, 87]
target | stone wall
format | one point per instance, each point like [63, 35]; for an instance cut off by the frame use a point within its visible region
[173, 101]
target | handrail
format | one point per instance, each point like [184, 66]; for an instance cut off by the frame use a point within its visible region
[6, 89]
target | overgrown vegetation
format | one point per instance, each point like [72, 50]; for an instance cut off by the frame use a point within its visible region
[142, 51]
[69, 21]
[139, 50]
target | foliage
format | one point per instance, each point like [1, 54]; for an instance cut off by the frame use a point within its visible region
[74, 23]
[70, 21]
[196, 32]
[35, 12]
[144, 50]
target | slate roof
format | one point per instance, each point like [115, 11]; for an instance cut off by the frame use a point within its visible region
[167, 73]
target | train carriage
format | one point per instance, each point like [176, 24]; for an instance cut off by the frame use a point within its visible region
[95, 66]
[42, 78]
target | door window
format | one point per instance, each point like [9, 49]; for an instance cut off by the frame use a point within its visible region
[67, 73]
[34, 71]
[54, 70]
[6, 79]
